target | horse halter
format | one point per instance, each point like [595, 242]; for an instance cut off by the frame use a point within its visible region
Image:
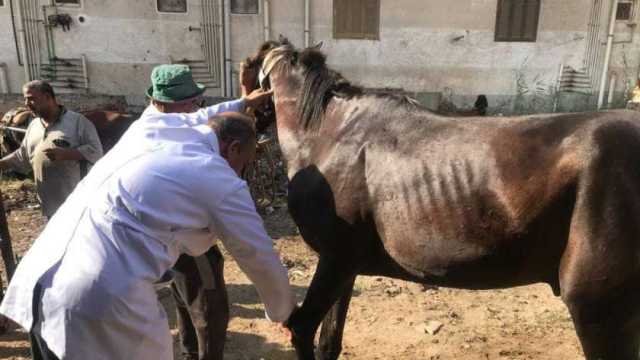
[263, 79]
[266, 114]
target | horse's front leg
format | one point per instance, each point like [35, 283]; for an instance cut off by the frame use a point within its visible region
[330, 344]
[332, 278]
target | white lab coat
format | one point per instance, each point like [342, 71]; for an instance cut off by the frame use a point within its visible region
[163, 190]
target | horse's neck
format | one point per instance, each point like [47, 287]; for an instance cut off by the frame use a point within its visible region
[294, 141]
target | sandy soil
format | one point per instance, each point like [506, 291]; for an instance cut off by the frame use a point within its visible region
[388, 319]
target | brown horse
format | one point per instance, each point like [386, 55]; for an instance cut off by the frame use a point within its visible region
[380, 186]
[110, 126]
[19, 117]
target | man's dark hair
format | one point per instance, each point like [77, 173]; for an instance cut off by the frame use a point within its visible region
[40, 86]
[233, 126]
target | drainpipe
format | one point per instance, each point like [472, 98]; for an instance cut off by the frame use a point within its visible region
[267, 24]
[85, 73]
[23, 43]
[221, 44]
[607, 55]
[612, 87]
[306, 23]
[15, 34]
[4, 81]
[227, 47]
[48, 33]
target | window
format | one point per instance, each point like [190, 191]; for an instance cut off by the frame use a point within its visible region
[625, 11]
[517, 20]
[244, 6]
[172, 6]
[68, 2]
[356, 19]
[1, 3]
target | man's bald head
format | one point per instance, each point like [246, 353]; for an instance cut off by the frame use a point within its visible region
[236, 134]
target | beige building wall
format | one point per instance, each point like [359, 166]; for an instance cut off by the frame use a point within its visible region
[426, 46]
[8, 56]
[447, 47]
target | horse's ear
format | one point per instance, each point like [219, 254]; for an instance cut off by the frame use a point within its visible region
[283, 40]
[317, 46]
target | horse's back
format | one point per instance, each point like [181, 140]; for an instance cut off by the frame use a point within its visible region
[464, 192]
[110, 125]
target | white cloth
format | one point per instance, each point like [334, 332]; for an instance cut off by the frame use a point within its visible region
[161, 191]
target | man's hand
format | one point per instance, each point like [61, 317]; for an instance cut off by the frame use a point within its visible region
[59, 154]
[257, 98]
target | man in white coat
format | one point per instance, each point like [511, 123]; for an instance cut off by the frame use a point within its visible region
[85, 289]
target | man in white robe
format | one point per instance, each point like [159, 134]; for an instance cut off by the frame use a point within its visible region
[170, 186]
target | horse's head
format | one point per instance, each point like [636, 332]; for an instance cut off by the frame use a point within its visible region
[304, 76]
[249, 81]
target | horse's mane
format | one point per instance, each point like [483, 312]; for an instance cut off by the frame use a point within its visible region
[255, 61]
[321, 84]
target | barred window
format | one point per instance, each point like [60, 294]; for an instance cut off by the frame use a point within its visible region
[625, 10]
[172, 6]
[517, 20]
[356, 19]
[68, 2]
[244, 6]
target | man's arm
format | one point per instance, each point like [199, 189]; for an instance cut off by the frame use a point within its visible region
[243, 235]
[90, 146]
[254, 99]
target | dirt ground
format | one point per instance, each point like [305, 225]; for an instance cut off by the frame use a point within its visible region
[388, 319]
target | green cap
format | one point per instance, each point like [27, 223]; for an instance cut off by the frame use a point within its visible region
[173, 83]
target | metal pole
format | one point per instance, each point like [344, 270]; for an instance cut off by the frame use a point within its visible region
[15, 33]
[204, 33]
[36, 36]
[11, 128]
[23, 43]
[221, 47]
[267, 24]
[306, 23]
[4, 81]
[607, 55]
[227, 46]
[612, 88]
[213, 40]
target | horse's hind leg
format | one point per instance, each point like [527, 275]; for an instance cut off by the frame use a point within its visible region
[332, 278]
[330, 344]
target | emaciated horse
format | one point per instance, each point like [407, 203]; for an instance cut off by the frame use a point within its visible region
[380, 186]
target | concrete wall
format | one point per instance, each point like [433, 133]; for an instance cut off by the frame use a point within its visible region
[122, 41]
[447, 47]
[431, 48]
[8, 54]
